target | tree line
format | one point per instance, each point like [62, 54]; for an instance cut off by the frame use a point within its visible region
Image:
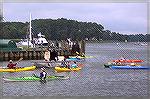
[61, 29]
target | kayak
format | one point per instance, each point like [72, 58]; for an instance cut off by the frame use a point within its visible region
[41, 65]
[33, 78]
[109, 65]
[73, 59]
[81, 57]
[19, 69]
[129, 61]
[63, 69]
[129, 67]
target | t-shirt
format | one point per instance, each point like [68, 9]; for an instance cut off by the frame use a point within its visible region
[74, 65]
[11, 65]
[43, 74]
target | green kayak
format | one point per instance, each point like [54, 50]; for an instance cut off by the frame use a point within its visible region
[34, 78]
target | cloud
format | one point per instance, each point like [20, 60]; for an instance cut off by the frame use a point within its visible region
[119, 17]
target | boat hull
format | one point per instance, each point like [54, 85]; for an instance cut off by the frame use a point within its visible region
[129, 61]
[18, 69]
[73, 59]
[129, 67]
[61, 69]
[32, 78]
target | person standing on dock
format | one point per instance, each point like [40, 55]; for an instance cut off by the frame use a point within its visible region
[47, 56]
[54, 55]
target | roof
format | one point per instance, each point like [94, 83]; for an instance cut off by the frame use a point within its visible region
[6, 43]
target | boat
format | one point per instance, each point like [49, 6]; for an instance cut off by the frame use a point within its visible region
[81, 57]
[18, 69]
[41, 40]
[33, 78]
[41, 65]
[141, 43]
[31, 41]
[63, 69]
[109, 64]
[51, 64]
[73, 59]
[128, 60]
[129, 67]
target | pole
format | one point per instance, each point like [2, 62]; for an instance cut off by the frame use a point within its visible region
[30, 36]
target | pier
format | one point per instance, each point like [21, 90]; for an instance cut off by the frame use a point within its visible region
[37, 53]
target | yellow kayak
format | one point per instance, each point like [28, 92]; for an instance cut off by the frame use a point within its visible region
[63, 69]
[17, 69]
[81, 57]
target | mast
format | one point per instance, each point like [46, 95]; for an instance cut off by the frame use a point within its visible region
[30, 35]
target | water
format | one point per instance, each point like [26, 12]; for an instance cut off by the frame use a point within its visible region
[93, 79]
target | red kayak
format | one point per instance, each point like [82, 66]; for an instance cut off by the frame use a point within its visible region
[129, 61]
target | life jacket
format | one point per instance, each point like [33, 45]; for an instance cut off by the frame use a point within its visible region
[74, 65]
[11, 65]
[42, 74]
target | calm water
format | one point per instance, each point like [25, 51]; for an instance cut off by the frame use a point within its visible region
[93, 79]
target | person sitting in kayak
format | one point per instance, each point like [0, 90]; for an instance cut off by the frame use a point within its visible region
[122, 58]
[43, 74]
[67, 64]
[11, 65]
[120, 61]
[132, 64]
[63, 64]
[74, 65]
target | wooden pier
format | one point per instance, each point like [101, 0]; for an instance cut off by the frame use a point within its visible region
[34, 54]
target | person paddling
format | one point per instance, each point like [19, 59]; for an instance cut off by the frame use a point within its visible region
[11, 65]
[43, 75]
[74, 65]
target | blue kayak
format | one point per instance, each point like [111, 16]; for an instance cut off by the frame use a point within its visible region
[73, 59]
[129, 67]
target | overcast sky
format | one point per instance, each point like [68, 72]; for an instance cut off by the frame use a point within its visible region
[125, 18]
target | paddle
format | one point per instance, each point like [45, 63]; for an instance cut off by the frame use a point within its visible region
[34, 75]
[84, 56]
[16, 62]
[19, 60]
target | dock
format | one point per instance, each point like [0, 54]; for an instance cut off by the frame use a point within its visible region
[38, 53]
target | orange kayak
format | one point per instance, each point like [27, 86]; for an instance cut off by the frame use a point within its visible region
[129, 61]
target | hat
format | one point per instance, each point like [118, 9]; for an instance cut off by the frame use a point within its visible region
[42, 69]
[10, 61]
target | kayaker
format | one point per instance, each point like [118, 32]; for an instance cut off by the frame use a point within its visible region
[122, 58]
[74, 65]
[11, 65]
[68, 65]
[63, 63]
[43, 74]
[132, 64]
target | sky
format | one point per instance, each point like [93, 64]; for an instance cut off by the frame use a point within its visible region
[124, 18]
